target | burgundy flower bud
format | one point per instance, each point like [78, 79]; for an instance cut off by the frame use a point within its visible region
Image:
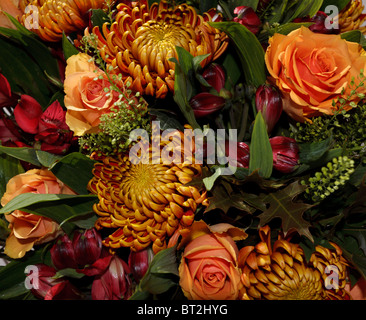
[43, 284]
[285, 154]
[138, 262]
[114, 283]
[319, 23]
[268, 100]
[248, 18]
[87, 246]
[62, 253]
[242, 154]
[204, 104]
[214, 74]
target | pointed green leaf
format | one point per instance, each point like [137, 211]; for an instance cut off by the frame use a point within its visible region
[303, 8]
[261, 157]
[340, 4]
[37, 157]
[183, 89]
[61, 208]
[9, 167]
[67, 47]
[75, 170]
[249, 49]
[161, 275]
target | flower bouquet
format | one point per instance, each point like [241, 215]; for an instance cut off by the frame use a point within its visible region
[204, 150]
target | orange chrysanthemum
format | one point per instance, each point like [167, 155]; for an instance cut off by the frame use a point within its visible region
[282, 273]
[146, 203]
[352, 17]
[50, 18]
[141, 41]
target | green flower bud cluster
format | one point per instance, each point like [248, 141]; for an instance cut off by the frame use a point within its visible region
[329, 179]
[115, 128]
[348, 130]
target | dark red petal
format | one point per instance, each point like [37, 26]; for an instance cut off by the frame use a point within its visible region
[27, 114]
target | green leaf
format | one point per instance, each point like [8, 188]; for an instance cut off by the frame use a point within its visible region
[19, 26]
[280, 204]
[261, 157]
[61, 208]
[161, 275]
[313, 151]
[68, 48]
[353, 36]
[68, 272]
[167, 120]
[303, 8]
[99, 17]
[75, 170]
[232, 71]
[286, 28]
[12, 276]
[33, 46]
[340, 4]
[9, 167]
[183, 89]
[249, 49]
[224, 198]
[37, 157]
[278, 12]
[23, 74]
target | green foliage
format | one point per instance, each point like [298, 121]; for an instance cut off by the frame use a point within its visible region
[281, 204]
[28, 63]
[330, 178]
[65, 209]
[347, 130]
[261, 157]
[250, 51]
[186, 70]
[115, 129]
[285, 11]
[161, 275]
[75, 170]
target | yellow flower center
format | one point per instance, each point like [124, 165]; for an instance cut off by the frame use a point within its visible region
[145, 202]
[156, 41]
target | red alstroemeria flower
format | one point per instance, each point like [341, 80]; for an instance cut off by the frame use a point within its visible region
[27, 114]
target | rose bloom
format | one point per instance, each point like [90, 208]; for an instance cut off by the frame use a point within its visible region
[208, 269]
[87, 95]
[29, 229]
[312, 70]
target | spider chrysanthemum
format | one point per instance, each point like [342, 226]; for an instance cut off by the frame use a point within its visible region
[352, 17]
[145, 203]
[50, 18]
[142, 39]
[281, 272]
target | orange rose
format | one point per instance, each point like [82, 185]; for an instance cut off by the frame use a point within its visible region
[312, 70]
[208, 269]
[87, 94]
[29, 229]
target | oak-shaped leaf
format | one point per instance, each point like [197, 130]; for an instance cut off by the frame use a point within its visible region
[224, 198]
[281, 204]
